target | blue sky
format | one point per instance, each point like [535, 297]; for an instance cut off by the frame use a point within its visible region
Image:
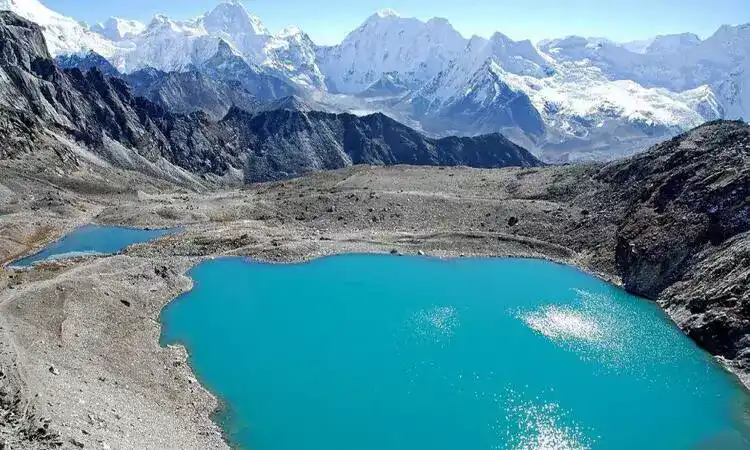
[328, 21]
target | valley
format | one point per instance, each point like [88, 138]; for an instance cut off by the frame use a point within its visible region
[218, 138]
[94, 319]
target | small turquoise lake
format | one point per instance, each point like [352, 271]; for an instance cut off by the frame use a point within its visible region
[92, 239]
[376, 352]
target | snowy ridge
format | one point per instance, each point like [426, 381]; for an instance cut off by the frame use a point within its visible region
[172, 45]
[291, 53]
[166, 45]
[676, 62]
[426, 73]
[63, 34]
[117, 29]
[385, 43]
[575, 93]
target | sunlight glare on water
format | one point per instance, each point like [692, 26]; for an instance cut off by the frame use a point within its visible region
[373, 352]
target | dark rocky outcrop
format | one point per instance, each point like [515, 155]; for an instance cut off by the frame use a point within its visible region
[188, 92]
[86, 62]
[290, 103]
[684, 239]
[266, 145]
[686, 195]
[283, 143]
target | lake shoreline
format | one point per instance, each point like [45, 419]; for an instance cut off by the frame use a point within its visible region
[145, 253]
[384, 257]
[72, 315]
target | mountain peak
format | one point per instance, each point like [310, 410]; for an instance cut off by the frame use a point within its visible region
[159, 19]
[62, 34]
[118, 29]
[288, 103]
[290, 32]
[498, 37]
[439, 22]
[224, 49]
[87, 61]
[673, 43]
[386, 13]
[233, 18]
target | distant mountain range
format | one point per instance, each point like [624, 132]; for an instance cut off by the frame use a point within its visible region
[159, 133]
[565, 99]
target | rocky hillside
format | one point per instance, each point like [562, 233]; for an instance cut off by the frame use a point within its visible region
[187, 92]
[684, 239]
[86, 62]
[227, 65]
[103, 114]
[298, 140]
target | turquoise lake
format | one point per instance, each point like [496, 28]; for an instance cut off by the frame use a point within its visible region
[376, 352]
[92, 239]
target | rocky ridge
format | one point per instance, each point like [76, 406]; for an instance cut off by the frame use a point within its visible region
[102, 113]
[685, 238]
[565, 99]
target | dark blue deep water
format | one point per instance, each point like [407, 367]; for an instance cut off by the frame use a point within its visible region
[92, 239]
[368, 352]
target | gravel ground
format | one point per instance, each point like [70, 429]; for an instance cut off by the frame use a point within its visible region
[79, 340]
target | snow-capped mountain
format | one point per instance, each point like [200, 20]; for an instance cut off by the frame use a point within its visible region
[471, 94]
[167, 45]
[62, 34]
[173, 45]
[228, 65]
[291, 54]
[584, 111]
[231, 19]
[481, 102]
[561, 95]
[677, 63]
[555, 103]
[387, 43]
[482, 61]
[116, 29]
[672, 43]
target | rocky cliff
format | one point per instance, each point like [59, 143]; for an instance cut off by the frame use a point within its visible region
[291, 142]
[188, 92]
[684, 239]
[85, 62]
